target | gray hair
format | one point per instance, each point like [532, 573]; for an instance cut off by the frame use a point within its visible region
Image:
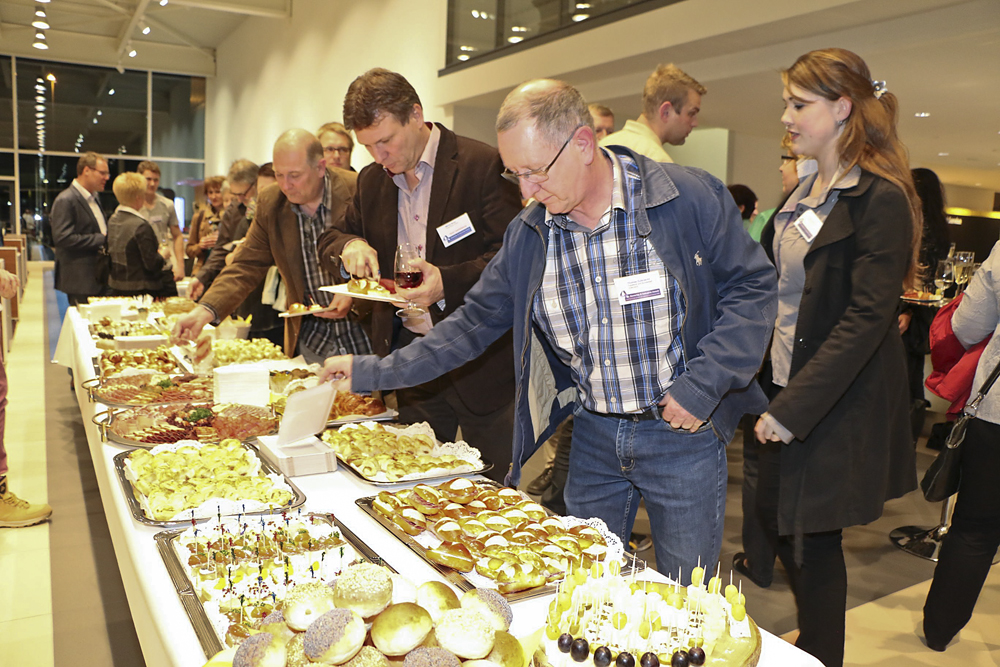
[243, 171]
[555, 107]
[298, 139]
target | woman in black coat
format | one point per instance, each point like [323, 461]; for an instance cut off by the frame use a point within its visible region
[836, 436]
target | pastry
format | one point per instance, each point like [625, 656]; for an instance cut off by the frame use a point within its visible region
[400, 628]
[263, 650]
[436, 597]
[305, 603]
[335, 637]
[424, 656]
[466, 633]
[490, 604]
[365, 589]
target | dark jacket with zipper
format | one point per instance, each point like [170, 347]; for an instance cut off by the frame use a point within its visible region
[729, 292]
[847, 401]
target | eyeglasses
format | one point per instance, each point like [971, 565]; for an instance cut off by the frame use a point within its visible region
[338, 149]
[785, 158]
[240, 195]
[538, 175]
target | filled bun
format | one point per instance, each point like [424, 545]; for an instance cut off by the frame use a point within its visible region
[401, 628]
[466, 633]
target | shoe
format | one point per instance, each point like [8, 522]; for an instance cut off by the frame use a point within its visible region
[637, 542]
[740, 565]
[17, 513]
[538, 485]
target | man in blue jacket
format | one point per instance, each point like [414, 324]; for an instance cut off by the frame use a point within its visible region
[636, 301]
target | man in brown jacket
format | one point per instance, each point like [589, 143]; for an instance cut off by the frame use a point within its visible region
[444, 195]
[309, 198]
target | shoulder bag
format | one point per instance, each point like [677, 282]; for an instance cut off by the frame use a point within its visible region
[942, 479]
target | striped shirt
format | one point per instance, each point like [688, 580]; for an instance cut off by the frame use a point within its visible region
[324, 336]
[622, 357]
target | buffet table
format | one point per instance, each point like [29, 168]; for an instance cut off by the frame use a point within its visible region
[164, 631]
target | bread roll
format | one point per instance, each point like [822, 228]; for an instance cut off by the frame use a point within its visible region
[490, 604]
[436, 597]
[305, 603]
[400, 628]
[423, 656]
[506, 651]
[368, 656]
[262, 650]
[466, 633]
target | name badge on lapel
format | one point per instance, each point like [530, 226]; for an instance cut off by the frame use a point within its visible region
[456, 230]
[641, 287]
[808, 225]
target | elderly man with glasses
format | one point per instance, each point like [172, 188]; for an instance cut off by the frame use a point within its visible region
[637, 302]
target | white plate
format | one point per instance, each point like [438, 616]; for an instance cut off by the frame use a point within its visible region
[307, 312]
[342, 289]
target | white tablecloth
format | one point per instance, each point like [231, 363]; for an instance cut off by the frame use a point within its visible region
[165, 634]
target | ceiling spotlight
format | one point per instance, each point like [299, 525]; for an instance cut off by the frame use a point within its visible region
[464, 57]
[40, 22]
[111, 92]
[39, 34]
[514, 39]
[144, 27]
[163, 3]
[100, 113]
[44, 2]
[921, 114]
[133, 53]
[942, 155]
[580, 17]
[39, 87]
[50, 77]
[95, 121]
[39, 98]
[39, 80]
[40, 42]
[39, 107]
[39, 114]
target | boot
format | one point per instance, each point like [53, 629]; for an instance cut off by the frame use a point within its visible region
[17, 513]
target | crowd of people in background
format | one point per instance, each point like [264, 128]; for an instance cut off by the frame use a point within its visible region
[580, 289]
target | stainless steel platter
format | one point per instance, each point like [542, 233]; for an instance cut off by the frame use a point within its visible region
[459, 579]
[104, 421]
[210, 642]
[95, 384]
[487, 466]
[135, 507]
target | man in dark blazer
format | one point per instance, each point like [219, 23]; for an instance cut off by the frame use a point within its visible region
[79, 229]
[444, 195]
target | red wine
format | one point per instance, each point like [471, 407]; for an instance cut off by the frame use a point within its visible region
[409, 279]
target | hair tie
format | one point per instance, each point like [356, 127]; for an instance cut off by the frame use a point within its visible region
[880, 89]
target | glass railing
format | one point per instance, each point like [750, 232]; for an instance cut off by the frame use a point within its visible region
[481, 29]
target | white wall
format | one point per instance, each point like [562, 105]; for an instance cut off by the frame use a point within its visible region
[966, 196]
[754, 162]
[278, 74]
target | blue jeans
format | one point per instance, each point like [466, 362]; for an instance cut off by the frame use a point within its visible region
[680, 475]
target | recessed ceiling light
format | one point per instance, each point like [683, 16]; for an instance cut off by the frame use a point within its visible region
[95, 121]
[163, 3]
[475, 13]
[942, 155]
[100, 113]
[111, 92]
[514, 39]
[922, 114]
[580, 17]
[464, 57]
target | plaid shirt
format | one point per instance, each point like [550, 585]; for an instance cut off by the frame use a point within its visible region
[324, 336]
[623, 357]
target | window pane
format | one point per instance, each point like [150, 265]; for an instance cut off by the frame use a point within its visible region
[84, 108]
[6, 164]
[6, 103]
[178, 116]
[7, 207]
[182, 178]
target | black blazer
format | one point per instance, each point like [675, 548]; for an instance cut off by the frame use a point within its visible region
[847, 401]
[76, 237]
[466, 180]
[136, 263]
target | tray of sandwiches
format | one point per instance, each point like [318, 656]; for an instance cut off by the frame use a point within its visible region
[478, 534]
[148, 426]
[236, 574]
[389, 454]
[177, 483]
[149, 388]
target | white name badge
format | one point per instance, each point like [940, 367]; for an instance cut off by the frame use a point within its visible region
[808, 225]
[456, 230]
[641, 287]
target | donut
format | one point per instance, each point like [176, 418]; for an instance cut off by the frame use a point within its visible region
[305, 603]
[452, 554]
[400, 628]
[261, 650]
[436, 597]
[295, 649]
[368, 656]
[364, 588]
[466, 633]
[335, 637]
[493, 606]
[506, 652]
[424, 656]
[276, 616]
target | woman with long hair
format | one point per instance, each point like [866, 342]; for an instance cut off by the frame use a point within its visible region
[205, 224]
[836, 437]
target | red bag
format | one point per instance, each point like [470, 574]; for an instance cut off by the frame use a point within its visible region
[954, 367]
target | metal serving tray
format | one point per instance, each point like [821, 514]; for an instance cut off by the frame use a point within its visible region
[103, 420]
[298, 497]
[207, 637]
[487, 465]
[93, 384]
[459, 579]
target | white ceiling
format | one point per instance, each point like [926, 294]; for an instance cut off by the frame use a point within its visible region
[183, 33]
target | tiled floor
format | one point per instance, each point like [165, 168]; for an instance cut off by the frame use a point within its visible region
[26, 594]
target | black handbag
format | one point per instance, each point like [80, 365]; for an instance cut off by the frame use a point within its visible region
[943, 477]
[102, 267]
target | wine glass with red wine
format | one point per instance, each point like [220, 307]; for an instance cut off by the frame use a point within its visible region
[408, 275]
